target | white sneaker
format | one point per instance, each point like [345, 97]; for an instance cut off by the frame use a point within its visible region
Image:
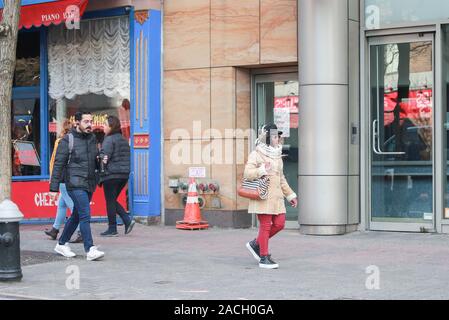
[94, 254]
[65, 250]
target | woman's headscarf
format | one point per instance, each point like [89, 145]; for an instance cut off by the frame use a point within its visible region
[262, 146]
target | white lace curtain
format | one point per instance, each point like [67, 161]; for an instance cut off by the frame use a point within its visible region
[93, 59]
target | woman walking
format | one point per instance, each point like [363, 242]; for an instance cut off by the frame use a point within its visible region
[115, 157]
[64, 202]
[266, 160]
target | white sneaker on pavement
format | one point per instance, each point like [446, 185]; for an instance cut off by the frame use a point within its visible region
[64, 250]
[94, 254]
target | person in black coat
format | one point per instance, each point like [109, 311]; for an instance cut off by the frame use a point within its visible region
[76, 166]
[114, 175]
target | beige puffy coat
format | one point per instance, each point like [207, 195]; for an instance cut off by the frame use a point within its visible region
[278, 187]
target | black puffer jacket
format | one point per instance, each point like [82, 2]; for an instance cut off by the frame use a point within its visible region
[81, 173]
[119, 162]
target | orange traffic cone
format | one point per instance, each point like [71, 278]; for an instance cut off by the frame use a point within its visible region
[192, 214]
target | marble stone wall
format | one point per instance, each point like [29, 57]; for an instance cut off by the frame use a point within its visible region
[210, 47]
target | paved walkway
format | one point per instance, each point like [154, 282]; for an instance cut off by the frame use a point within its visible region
[165, 263]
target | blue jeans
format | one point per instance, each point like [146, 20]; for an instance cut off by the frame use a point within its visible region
[64, 203]
[80, 215]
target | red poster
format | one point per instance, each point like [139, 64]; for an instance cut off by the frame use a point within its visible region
[291, 102]
[33, 199]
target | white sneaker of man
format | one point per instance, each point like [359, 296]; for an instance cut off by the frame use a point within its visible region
[65, 250]
[94, 254]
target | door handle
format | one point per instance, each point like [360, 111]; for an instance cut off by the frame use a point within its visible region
[376, 151]
[376, 142]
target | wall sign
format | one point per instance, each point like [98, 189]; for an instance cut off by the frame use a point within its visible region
[27, 153]
[282, 120]
[197, 172]
[33, 200]
[141, 141]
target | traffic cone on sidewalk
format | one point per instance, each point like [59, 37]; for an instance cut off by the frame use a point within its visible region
[192, 213]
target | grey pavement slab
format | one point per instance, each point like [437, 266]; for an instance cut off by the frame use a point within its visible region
[162, 263]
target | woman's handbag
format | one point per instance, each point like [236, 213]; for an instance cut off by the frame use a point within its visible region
[254, 190]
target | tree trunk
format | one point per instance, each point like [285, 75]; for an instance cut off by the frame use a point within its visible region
[8, 45]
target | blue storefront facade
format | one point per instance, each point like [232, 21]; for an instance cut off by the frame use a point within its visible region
[110, 64]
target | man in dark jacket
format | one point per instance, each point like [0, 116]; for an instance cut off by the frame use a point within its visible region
[75, 165]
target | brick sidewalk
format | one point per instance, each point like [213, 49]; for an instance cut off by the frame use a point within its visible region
[165, 263]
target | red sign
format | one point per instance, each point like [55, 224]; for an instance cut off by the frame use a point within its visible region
[33, 199]
[417, 106]
[141, 141]
[291, 102]
[50, 13]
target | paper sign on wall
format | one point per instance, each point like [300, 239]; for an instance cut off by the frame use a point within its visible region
[282, 120]
[197, 172]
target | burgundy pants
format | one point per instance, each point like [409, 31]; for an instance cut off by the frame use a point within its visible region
[269, 226]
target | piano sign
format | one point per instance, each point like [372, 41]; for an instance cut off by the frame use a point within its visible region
[26, 153]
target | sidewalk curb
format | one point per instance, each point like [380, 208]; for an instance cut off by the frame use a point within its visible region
[21, 297]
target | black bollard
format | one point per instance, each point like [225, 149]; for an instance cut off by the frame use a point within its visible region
[10, 267]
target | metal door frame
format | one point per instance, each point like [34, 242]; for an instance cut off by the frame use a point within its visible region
[402, 226]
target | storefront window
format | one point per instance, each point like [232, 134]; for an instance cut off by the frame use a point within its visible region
[383, 13]
[26, 137]
[27, 72]
[100, 106]
[25, 107]
[89, 70]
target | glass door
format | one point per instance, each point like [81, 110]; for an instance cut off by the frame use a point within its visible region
[276, 101]
[402, 131]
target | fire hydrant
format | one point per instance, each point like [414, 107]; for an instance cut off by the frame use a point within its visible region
[10, 216]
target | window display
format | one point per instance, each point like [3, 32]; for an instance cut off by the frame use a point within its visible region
[89, 69]
[25, 137]
[100, 106]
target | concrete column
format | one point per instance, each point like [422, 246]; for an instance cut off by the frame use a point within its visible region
[329, 121]
[61, 114]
